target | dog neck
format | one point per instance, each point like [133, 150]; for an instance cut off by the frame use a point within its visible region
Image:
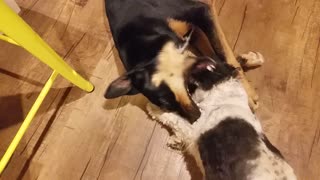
[227, 99]
[229, 92]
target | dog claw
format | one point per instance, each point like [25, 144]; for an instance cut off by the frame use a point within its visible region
[210, 68]
[175, 143]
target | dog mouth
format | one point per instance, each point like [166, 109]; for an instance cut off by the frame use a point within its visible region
[193, 82]
[202, 65]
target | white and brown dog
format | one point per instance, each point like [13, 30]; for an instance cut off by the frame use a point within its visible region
[227, 140]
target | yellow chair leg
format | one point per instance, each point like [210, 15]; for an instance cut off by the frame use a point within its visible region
[9, 40]
[21, 33]
[12, 147]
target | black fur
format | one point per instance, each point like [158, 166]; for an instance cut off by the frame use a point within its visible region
[271, 147]
[226, 149]
[140, 29]
[205, 79]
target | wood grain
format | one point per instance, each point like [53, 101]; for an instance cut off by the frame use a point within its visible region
[83, 136]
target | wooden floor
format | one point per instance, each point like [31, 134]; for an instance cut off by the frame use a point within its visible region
[83, 136]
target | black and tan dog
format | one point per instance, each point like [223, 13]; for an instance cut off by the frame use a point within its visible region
[149, 35]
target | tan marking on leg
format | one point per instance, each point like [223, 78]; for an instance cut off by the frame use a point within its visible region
[198, 40]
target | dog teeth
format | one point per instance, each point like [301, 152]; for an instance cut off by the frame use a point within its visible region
[188, 92]
[210, 68]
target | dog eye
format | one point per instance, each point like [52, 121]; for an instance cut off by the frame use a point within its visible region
[166, 105]
[163, 102]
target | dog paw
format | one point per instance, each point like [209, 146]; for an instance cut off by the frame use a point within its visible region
[168, 119]
[175, 143]
[251, 59]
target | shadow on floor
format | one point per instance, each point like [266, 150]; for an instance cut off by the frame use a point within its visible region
[79, 48]
[13, 109]
[44, 133]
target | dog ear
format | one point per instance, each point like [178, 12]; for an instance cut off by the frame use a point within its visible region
[120, 87]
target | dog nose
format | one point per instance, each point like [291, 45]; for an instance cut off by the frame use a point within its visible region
[192, 113]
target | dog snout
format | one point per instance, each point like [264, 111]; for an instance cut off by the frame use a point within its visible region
[192, 113]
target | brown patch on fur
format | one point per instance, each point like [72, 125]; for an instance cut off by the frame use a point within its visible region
[199, 39]
[179, 27]
[171, 69]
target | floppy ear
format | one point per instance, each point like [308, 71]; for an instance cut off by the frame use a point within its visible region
[120, 87]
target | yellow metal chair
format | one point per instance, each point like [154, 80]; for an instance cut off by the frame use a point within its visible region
[16, 31]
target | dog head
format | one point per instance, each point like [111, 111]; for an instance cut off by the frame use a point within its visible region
[166, 80]
[206, 72]
[162, 81]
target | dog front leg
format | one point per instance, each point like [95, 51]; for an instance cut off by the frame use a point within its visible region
[211, 27]
[225, 49]
[181, 128]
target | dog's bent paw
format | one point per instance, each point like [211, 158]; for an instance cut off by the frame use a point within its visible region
[251, 59]
[175, 143]
[182, 130]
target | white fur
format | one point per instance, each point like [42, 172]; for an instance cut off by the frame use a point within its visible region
[270, 167]
[253, 59]
[227, 99]
[182, 48]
